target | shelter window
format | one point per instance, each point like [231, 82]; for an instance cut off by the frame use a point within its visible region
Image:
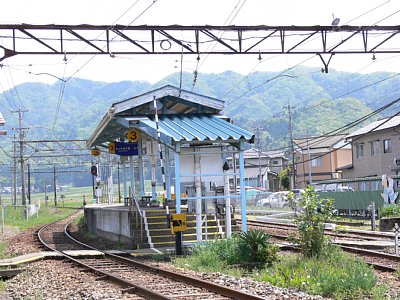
[375, 148]
[360, 150]
[316, 161]
[387, 146]
[275, 162]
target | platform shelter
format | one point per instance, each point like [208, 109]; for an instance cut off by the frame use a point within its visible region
[183, 136]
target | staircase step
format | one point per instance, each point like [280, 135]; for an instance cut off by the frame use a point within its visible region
[164, 232]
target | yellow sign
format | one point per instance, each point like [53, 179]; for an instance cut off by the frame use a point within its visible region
[133, 135]
[111, 148]
[178, 223]
[96, 152]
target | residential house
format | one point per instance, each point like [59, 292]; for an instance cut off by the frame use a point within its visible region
[261, 168]
[320, 158]
[376, 149]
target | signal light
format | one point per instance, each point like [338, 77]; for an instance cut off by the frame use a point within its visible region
[93, 170]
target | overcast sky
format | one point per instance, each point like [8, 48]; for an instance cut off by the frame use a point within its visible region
[188, 12]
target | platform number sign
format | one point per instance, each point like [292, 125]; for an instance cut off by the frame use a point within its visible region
[96, 152]
[133, 135]
[111, 148]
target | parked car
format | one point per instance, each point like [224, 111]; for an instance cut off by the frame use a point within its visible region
[275, 200]
[297, 192]
[344, 189]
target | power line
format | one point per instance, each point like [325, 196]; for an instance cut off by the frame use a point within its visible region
[198, 63]
[347, 126]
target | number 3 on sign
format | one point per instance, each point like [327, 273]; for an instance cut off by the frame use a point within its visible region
[96, 152]
[133, 135]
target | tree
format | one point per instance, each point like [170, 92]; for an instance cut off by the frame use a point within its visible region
[284, 179]
[311, 221]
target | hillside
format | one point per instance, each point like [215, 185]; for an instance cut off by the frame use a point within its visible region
[320, 102]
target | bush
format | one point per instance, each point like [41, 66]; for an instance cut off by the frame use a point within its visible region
[338, 275]
[391, 210]
[247, 251]
[256, 250]
[310, 222]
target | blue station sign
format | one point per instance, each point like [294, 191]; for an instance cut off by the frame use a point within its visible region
[126, 149]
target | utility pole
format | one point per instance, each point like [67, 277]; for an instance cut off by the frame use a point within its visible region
[258, 131]
[29, 183]
[21, 152]
[55, 185]
[309, 165]
[290, 129]
[14, 185]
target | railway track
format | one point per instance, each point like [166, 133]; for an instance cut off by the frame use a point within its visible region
[134, 277]
[379, 260]
[340, 233]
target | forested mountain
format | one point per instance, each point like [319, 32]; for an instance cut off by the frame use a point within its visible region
[320, 102]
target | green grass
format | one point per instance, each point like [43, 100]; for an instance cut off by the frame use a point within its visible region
[14, 217]
[337, 275]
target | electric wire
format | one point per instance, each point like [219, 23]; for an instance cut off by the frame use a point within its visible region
[367, 12]
[350, 92]
[352, 140]
[345, 127]
[200, 62]
[91, 58]
[281, 74]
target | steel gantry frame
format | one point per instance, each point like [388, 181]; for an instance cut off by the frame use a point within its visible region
[19, 39]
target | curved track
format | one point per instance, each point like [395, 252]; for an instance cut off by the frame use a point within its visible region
[135, 277]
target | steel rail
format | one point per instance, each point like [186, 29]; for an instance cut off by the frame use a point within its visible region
[132, 287]
[127, 285]
[362, 252]
[225, 291]
[357, 251]
[370, 235]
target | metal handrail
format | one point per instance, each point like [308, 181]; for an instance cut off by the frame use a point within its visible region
[138, 212]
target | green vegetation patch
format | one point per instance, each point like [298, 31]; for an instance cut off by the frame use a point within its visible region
[336, 274]
[391, 210]
[14, 217]
[236, 256]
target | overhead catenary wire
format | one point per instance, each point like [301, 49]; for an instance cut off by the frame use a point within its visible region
[199, 61]
[135, 19]
[346, 127]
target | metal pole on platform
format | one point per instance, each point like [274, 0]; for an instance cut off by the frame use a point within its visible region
[160, 151]
[119, 183]
[228, 222]
[124, 179]
[178, 178]
[178, 235]
[242, 188]
[141, 175]
[132, 175]
[168, 173]
[197, 179]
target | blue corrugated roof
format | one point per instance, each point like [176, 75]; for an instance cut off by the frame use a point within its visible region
[198, 128]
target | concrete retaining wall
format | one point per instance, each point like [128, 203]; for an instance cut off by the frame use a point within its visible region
[110, 222]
